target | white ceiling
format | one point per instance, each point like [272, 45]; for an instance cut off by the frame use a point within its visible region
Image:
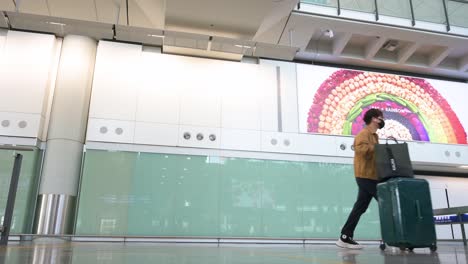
[360, 43]
[218, 17]
[263, 28]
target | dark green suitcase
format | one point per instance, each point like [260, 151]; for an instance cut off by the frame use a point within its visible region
[406, 217]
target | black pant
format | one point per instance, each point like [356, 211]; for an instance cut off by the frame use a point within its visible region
[367, 190]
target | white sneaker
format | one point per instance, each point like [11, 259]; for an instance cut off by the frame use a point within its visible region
[347, 242]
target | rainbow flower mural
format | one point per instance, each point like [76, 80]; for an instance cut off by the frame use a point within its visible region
[413, 109]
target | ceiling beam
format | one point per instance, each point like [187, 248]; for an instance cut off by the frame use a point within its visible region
[405, 53]
[3, 21]
[271, 28]
[340, 43]
[438, 56]
[463, 64]
[373, 47]
[300, 38]
[8, 5]
[154, 11]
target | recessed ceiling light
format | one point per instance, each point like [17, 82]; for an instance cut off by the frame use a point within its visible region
[243, 46]
[56, 23]
[155, 36]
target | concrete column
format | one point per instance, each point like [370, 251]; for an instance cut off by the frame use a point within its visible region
[66, 136]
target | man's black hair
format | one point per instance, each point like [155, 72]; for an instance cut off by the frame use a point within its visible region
[371, 113]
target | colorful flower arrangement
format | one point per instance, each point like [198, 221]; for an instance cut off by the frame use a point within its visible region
[413, 109]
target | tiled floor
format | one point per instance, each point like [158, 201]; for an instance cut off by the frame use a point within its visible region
[134, 253]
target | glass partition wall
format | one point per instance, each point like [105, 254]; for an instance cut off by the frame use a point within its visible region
[154, 194]
[26, 194]
[446, 12]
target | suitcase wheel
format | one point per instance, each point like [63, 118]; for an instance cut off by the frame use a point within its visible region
[433, 248]
[382, 246]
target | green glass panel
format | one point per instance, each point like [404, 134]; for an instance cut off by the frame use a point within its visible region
[328, 188]
[143, 194]
[395, 8]
[457, 13]
[26, 194]
[154, 184]
[197, 189]
[429, 11]
[104, 196]
[240, 198]
[369, 224]
[281, 199]
[331, 3]
[358, 5]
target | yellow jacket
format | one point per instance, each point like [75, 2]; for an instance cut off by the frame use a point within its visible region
[364, 156]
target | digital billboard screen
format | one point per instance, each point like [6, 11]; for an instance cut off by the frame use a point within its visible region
[333, 101]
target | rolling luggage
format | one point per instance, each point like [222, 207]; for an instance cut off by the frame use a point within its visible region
[406, 217]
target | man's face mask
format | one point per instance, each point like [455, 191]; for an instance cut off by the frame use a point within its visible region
[382, 122]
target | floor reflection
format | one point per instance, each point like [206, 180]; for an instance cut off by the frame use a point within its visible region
[135, 253]
[56, 254]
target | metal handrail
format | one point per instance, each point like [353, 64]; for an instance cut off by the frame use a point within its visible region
[413, 19]
[376, 10]
[338, 7]
[446, 15]
[17, 148]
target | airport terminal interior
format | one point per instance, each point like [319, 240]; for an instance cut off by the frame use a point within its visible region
[222, 131]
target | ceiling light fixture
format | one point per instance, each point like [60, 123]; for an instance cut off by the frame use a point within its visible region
[56, 23]
[390, 45]
[329, 33]
[243, 46]
[155, 36]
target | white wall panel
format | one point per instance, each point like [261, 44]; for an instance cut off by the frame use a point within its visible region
[288, 93]
[240, 96]
[281, 142]
[204, 132]
[3, 34]
[202, 82]
[425, 152]
[20, 124]
[107, 130]
[159, 92]
[438, 153]
[24, 71]
[116, 81]
[318, 144]
[237, 139]
[439, 200]
[458, 154]
[156, 134]
[269, 97]
[445, 152]
[457, 193]
[343, 146]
